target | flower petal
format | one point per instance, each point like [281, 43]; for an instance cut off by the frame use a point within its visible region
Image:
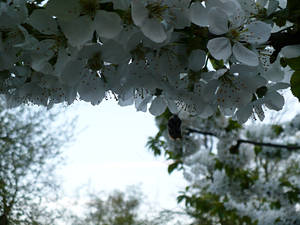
[78, 31]
[66, 10]
[257, 33]
[107, 24]
[273, 100]
[244, 55]
[275, 73]
[291, 51]
[219, 48]
[244, 113]
[197, 60]
[138, 12]
[272, 6]
[72, 73]
[198, 14]
[43, 22]
[158, 106]
[218, 21]
[154, 30]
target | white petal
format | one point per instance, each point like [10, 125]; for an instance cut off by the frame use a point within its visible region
[256, 33]
[65, 10]
[219, 48]
[141, 103]
[208, 110]
[273, 100]
[244, 55]
[197, 60]
[180, 18]
[272, 6]
[218, 21]
[291, 51]
[249, 6]
[91, 89]
[279, 86]
[172, 106]
[259, 111]
[198, 14]
[158, 106]
[154, 30]
[43, 22]
[107, 24]
[275, 73]
[78, 31]
[72, 73]
[209, 91]
[244, 113]
[238, 17]
[113, 52]
[138, 12]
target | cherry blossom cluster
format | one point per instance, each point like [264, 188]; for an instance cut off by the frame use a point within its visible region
[198, 56]
[259, 182]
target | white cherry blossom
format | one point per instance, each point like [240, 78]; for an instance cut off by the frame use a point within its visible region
[253, 33]
[149, 18]
[151, 53]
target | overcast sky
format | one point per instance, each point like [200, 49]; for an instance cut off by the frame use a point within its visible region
[110, 153]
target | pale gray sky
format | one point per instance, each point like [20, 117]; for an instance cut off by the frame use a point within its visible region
[110, 154]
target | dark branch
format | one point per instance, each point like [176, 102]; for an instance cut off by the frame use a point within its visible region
[289, 147]
[239, 141]
[283, 38]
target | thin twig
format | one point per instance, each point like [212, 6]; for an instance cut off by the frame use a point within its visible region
[290, 147]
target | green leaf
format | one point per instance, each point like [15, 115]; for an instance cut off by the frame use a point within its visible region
[295, 84]
[180, 198]
[257, 149]
[294, 63]
[233, 125]
[217, 64]
[218, 165]
[293, 7]
[173, 166]
[293, 196]
[275, 205]
[277, 129]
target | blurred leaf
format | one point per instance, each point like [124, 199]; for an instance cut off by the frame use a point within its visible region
[174, 166]
[295, 84]
[233, 125]
[277, 129]
[294, 63]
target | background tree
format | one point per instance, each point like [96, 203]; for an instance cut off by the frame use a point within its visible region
[236, 175]
[30, 151]
[117, 208]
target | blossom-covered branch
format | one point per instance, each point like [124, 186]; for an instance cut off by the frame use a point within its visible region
[198, 56]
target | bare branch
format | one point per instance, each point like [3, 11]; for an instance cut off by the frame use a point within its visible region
[289, 147]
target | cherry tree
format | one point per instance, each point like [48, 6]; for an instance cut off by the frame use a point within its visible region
[236, 175]
[202, 57]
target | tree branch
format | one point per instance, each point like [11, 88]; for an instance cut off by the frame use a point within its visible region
[289, 147]
[282, 38]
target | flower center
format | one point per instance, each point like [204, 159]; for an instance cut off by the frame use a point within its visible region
[89, 7]
[234, 34]
[156, 10]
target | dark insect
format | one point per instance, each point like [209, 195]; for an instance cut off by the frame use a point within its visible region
[174, 127]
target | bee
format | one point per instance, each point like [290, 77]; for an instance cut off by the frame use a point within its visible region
[174, 127]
